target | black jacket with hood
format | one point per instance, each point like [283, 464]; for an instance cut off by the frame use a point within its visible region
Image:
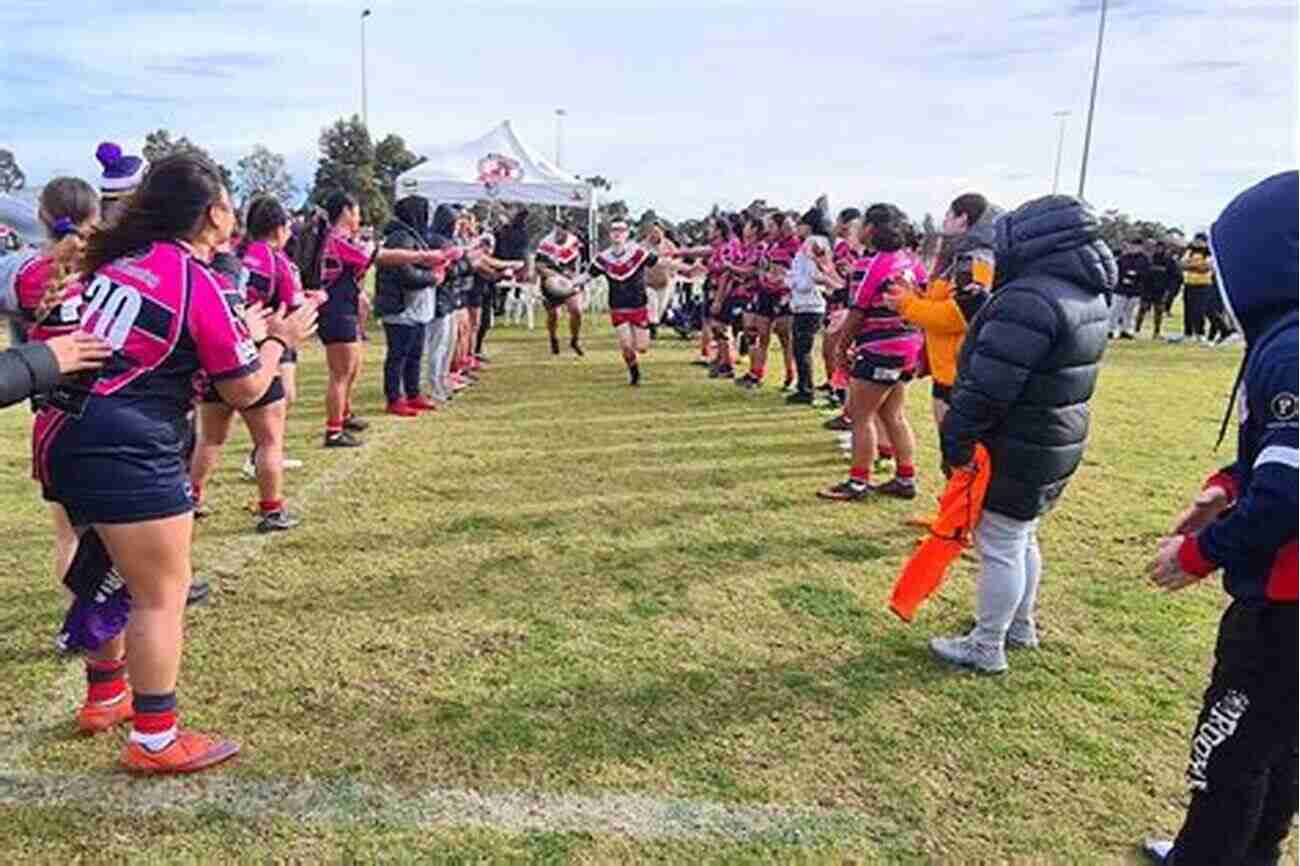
[394, 284]
[1029, 364]
[442, 235]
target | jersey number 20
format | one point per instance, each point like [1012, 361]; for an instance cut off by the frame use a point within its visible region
[113, 308]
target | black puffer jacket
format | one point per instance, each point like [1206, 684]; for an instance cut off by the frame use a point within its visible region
[1029, 364]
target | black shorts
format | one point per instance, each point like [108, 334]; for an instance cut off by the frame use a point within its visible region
[273, 393]
[880, 369]
[474, 298]
[770, 306]
[941, 392]
[552, 302]
[290, 356]
[339, 329]
[732, 310]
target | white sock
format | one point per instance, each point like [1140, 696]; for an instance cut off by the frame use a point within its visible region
[155, 742]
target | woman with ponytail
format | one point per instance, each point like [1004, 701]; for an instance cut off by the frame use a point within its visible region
[272, 283]
[107, 445]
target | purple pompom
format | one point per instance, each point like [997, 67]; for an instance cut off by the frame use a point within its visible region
[108, 153]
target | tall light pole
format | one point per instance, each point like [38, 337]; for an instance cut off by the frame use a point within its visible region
[559, 135]
[1060, 147]
[1092, 101]
[365, 109]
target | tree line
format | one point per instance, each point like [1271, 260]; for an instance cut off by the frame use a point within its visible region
[349, 159]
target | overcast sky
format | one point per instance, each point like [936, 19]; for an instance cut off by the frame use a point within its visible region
[684, 104]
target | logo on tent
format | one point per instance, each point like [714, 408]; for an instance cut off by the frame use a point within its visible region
[495, 169]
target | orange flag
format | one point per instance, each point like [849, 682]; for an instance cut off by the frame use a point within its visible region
[959, 511]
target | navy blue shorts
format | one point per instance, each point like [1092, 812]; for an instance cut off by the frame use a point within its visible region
[120, 469]
[339, 329]
[770, 306]
[880, 369]
[273, 393]
[732, 310]
[290, 356]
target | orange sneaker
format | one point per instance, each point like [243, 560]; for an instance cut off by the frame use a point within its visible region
[100, 716]
[188, 753]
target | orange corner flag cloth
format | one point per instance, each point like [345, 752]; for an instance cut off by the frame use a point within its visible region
[959, 511]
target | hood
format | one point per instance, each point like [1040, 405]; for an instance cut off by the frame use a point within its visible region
[444, 221]
[1254, 247]
[413, 211]
[1057, 236]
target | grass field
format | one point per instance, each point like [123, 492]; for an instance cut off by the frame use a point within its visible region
[568, 621]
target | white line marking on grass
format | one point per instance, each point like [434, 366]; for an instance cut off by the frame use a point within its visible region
[227, 557]
[342, 801]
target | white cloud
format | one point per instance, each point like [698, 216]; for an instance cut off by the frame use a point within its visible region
[684, 105]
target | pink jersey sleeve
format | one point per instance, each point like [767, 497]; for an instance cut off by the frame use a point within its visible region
[32, 279]
[288, 282]
[224, 346]
[351, 254]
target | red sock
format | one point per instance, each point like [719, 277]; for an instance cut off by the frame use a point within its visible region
[105, 679]
[154, 715]
[885, 451]
[905, 470]
[757, 372]
[860, 473]
[334, 425]
[196, 493]
[269, 506]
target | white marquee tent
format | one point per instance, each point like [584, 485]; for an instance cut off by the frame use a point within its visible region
[496, 167]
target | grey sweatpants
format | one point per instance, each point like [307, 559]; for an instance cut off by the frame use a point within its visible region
[1123, 313]
[439, 345]
[1010, 566]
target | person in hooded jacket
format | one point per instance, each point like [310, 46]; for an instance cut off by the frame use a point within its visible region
[1027, 369]
[406, 301]
[1242, 771]
[440, 335]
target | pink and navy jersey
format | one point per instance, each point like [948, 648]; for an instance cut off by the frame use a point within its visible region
[717, 261]
[625, 271]
[782, 250]
[883, 328]
[31, 282]
[272, 280]
[167, 317]
[343, 265]
[562, 258]
[746, 256]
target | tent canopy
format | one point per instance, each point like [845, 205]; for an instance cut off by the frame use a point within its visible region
[495, 167]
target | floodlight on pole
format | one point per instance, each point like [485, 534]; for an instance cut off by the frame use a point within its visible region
[365, 109]
[1060, 148]
[1092, 100]
[560, 114]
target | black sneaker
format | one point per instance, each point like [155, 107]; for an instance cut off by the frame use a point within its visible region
[846, 491]
[202, 510]
[839, 423]
[726, 373]
[701, 362]
[341, 439]
[788, 384]
[355, 424]
[746, 381]
[555, 346]
[577, 349]
[800, 398]
[825, 388]
[278, 521]
[200, 589]
[898, 488]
